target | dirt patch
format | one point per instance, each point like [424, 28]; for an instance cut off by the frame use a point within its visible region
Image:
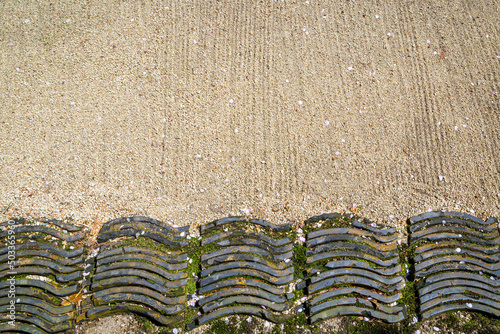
[116, 324]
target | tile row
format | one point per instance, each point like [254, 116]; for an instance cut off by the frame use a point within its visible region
[327, 266]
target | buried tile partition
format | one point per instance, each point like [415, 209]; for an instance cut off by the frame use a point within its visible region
[333, 265]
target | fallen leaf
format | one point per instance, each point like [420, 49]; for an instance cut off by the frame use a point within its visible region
[442, 55]
[73, 299]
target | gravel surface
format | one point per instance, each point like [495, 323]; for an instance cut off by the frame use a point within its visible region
[189, 111]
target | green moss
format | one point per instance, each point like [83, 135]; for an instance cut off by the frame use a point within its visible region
[147, 325]
[450, 319]
[472, 294]
[299, 260]
[220, 327]
[194, 252]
